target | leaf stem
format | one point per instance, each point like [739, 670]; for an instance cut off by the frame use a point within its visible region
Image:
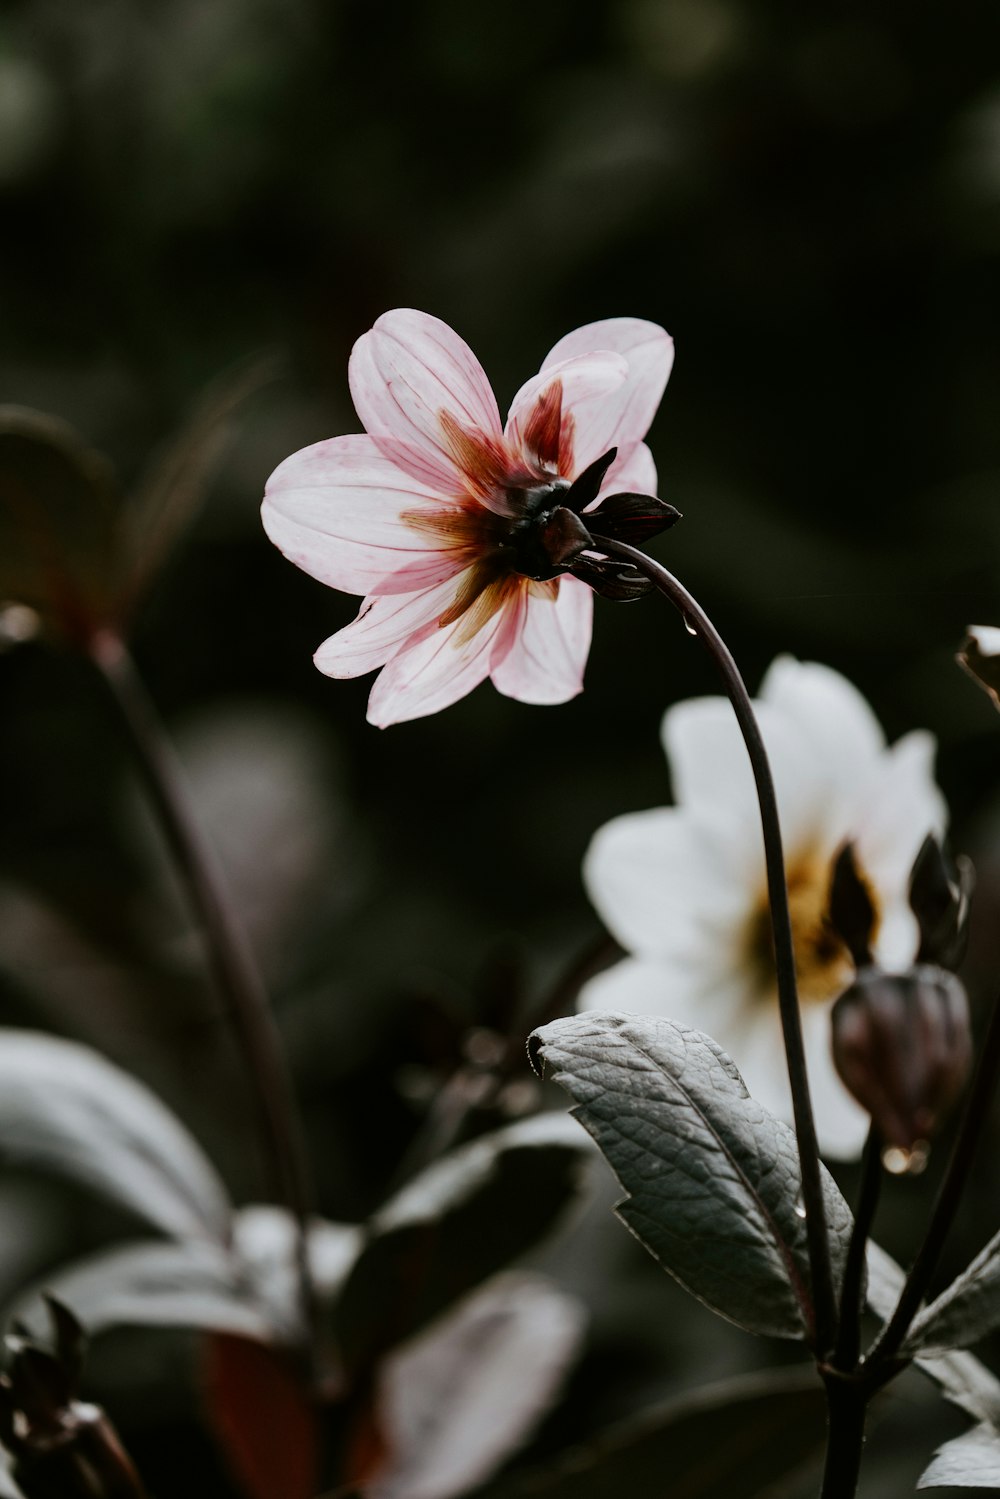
[846, 1406]
[784, 956]
[232, 961]
[848, 1346]
[889, 1342]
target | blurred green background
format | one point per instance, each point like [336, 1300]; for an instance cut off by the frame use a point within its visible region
[807, 197]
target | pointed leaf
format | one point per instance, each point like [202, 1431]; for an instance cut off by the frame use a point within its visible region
[462, 1219]
[971, 1461]
[57, 510]
[461, 1398]
[960, 1376]
[177, 481]
[744, 1437]
[64, 1109]
[712, 1179]
[966, 1311]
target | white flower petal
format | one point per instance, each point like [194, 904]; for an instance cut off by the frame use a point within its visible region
[543, 656]
[900, 806]
[666, 884]
[830, 713]
[710, 769]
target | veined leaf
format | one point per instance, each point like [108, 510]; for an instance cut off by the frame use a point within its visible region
[960, 1376]
[971, 1461]
[66, 1110]
[966, 1311]
[712, 1178]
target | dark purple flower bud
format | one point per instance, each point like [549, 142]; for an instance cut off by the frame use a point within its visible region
[902, 1045]
[635, 518]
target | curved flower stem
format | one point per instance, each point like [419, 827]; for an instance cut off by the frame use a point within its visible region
[849, 1329]
[784, 956]
[233, 963]
[888, 1344]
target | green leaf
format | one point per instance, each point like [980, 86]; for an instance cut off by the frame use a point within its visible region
[462, 1219]
[971, 1461]
[177, 481]
[743, 1438]
[712, 1178]
[966, 1311]
[58, 504]
[66, 1110]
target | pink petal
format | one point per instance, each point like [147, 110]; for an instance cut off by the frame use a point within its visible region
[634, 473]
[542, 653]
[335, 510]
[588, 384]
[431, 672]
[382, 627]
[404, 373]
[624, 418]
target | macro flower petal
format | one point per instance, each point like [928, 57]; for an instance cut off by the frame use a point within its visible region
[901, 806]
[665, 883]
[710, 768]
[552, 416]
[431, 671]
[830, 713]
[632, 473]
[335, 509]
[382, 627]
[541, 653]
[624, 419]
[407, 372]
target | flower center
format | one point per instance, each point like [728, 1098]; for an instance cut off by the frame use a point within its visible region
[532, 509]
[822, 963]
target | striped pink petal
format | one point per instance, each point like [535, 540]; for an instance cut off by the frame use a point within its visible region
[407, 372]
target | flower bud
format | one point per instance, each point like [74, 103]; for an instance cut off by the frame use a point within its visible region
[902, 1046]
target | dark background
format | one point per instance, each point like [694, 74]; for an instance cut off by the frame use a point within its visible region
[807, 197]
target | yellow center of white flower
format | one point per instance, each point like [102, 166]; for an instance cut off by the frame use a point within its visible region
[822, 963]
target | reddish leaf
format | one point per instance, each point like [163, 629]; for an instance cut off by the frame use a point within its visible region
[262, 1418]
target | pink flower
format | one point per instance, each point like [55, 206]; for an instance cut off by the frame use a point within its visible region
[465, 536]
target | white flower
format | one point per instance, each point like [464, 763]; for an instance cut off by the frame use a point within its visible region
[683, 888]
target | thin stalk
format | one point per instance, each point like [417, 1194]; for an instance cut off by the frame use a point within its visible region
[784, 955]
[846, 1407]
[974, 1115]
[232, 961]
[848, 1346]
